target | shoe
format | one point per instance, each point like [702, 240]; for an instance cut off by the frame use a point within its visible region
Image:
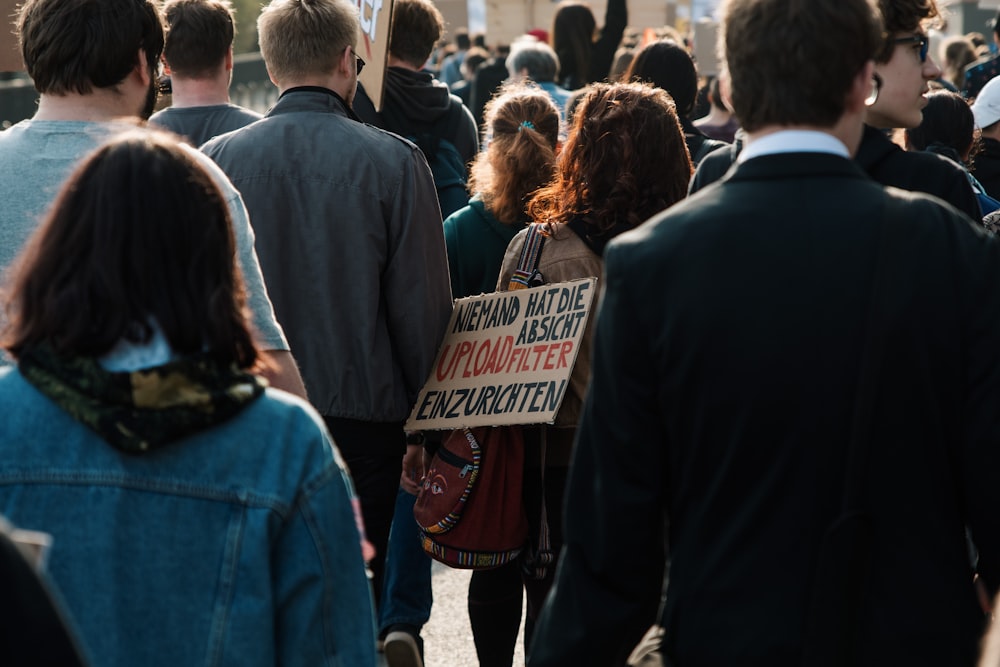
[403, 649]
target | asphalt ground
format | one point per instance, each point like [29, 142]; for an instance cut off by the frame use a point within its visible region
[448, 636]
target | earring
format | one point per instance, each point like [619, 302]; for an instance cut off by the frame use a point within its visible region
[876, 87]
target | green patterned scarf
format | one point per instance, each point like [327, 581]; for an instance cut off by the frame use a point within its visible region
[146, 409]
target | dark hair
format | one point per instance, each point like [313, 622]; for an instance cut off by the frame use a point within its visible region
[958, 53]
[902, 16]
[793, 62]
[948, 127]
[669, 66]
[416, 27]
[139, 232]
[73, 46]
[521, 156]
[462, 40]
[715, 94]
[625, 160]
[573, 27]
[199, 35]
[474, 57]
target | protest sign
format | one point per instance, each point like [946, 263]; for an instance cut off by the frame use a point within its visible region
[373, 46]
[506, 358]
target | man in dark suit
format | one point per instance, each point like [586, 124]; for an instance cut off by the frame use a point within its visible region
[728, 358]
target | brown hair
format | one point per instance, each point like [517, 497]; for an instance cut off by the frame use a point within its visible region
[573, 27]
[139, 232]
[199, 35]
[625, 160]
[793, 62]
[73, 46]
[522, 154]
[903, 16]
[957, 53]
[417, 26]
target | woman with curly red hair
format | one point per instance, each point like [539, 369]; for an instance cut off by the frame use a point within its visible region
[625, 160]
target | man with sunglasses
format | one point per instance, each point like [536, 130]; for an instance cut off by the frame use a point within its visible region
[903, 72]
[349, 237]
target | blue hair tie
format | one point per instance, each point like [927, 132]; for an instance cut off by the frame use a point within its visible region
[526, 124]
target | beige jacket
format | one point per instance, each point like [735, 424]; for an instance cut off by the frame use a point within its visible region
[564, 257]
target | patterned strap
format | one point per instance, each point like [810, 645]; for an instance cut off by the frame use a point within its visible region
[526, 275]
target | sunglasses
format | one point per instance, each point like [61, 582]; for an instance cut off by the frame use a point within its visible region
[359, 63]
[916, 39]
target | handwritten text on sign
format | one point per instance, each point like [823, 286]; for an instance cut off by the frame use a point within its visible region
[506, 358]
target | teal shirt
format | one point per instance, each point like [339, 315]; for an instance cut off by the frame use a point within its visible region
[476, 244]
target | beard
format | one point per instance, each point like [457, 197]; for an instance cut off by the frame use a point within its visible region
[151, 95]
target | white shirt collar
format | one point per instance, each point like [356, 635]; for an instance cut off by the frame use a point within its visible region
[793, 141]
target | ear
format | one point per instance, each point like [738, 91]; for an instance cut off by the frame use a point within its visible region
[271, 77]
[166, 66]
[860, 89]
[229, 59]
[142, 68]
[346, 65]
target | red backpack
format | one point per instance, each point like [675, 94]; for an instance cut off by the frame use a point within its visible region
[470, 508]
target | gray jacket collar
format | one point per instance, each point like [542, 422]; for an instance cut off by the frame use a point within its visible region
[311, 98]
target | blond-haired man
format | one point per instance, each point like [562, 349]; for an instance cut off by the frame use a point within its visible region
[350, 241]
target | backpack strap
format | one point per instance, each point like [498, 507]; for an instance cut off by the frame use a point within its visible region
[526, 274]
[535, 563]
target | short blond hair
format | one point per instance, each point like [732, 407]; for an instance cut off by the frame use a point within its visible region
[306, 37]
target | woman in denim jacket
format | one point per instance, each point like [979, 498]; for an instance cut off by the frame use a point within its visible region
[196, 516]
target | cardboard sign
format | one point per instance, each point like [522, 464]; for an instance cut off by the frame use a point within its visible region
[10, 55]
[706, 36]
[373, 46]
[506, 358]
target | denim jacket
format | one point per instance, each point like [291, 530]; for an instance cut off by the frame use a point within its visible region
[235, 546]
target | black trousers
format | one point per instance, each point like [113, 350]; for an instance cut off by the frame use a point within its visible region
[373, 452]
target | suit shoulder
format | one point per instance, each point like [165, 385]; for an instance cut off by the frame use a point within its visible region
[921, 208]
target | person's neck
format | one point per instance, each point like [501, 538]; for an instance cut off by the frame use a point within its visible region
[715, 116]
[393, 61]
[335, 84]
[99, 105]
[847, 130]
[199, 92]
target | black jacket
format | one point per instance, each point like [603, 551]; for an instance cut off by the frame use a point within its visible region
[414, 102]
[986, 167]
[724, 376]
[885, 162]
[918, 171]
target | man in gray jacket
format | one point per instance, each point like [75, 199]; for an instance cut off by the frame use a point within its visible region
[350, 242]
